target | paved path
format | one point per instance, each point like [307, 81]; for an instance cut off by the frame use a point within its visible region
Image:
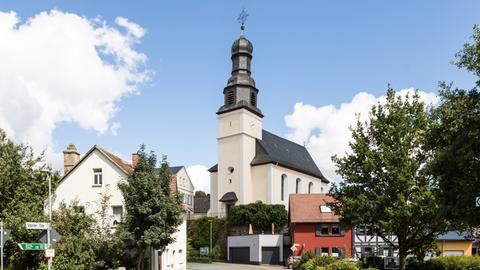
[230, 266]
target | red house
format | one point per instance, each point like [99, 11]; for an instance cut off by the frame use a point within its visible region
[314, 227]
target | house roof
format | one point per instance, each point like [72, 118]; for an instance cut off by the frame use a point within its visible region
[455, 236]
[122, 165]
[229, 197]
[275, 149]
[201, 205]
[214, 168]
[305, 208]
[175, 169]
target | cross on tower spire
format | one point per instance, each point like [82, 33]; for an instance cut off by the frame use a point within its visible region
[242, 18]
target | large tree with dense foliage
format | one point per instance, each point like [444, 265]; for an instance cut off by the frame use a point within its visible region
[154, 212]
[260, 215]
[384, 183]
[23, 193]
[455, 143]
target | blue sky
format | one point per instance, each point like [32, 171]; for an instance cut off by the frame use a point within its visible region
[315, 52]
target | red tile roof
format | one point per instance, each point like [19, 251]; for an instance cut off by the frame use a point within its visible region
[305, 208]
[128, 168]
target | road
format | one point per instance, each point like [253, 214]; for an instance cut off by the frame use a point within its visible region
[230, 266]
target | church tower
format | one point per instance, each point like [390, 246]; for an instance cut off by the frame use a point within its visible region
[239, 126]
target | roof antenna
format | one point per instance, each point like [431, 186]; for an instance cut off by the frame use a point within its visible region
[242, 18]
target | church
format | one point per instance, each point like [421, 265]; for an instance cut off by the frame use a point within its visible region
[254, 164]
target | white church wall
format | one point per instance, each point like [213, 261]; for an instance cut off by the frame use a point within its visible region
[259, 183]
[213, 211]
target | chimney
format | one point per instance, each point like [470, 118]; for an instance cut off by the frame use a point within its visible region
[135, 158]
[70, 158]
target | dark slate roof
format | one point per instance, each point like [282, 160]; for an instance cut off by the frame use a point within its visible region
[274, 149]
[455, 236]
[201, 205]
[175, 169]
[214, 168]
[229, 197]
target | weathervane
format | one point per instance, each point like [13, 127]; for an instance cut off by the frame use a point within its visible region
[242, 18]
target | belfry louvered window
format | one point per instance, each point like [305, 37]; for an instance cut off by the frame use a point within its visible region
[253, 99]
[230, 97]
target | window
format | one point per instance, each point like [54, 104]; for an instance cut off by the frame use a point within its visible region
[318, 251]
[321, 230]
[336, 229]
[230, 97]
[310, 187]
[386, 252]
[361, 230]
[297, 188]
[97, 177]
[367, 251]
[117, 214]
[321, 189]
[284, 180]
[324, 252]
[325, 209]
[253, 99]
[335, 252]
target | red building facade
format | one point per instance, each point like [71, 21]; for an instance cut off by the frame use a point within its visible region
[315, 228]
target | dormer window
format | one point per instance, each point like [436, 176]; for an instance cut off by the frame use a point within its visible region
[325, 209]
[97, 177]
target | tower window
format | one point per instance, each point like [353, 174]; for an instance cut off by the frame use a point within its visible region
[253, 99]
[230, 97]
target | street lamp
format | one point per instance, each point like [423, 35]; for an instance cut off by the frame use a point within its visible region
[210, 249]
[49, 177]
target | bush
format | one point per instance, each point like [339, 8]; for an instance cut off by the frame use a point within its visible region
[447, 263]
[304, 259]
[373, 262]
[201, 259]
[342, 265]
[318, 261]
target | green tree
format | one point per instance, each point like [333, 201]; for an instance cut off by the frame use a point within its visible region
[384, 182]
[200, 193]
[260, 215]
[455, 142]
[153, 211]
[23, 193]
[76, 249]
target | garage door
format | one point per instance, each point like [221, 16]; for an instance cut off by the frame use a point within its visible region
[240, 254]
[271, 255]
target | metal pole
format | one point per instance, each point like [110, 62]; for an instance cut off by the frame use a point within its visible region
[1, 245]
[210, 250]
[49, 217]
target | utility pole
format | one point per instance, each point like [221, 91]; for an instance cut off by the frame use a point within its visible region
[50, 259]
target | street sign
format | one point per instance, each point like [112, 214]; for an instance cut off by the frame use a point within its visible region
[36, 225]
[477, 201]
[32, 246]
[6, 234]
[50, 253]
[203, 250]
[54, 237]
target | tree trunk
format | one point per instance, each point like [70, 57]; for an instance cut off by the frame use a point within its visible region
[141, 254]
[402, 255]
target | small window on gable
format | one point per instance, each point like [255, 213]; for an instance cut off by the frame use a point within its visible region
[97, 177]
[230, 97]
[253, 99]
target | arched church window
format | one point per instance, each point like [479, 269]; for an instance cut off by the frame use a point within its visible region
[284, 182]
[310, 187]
[297, 188]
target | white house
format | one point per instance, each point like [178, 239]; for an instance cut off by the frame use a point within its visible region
[86, 178]
[185, 187]
[254, 164]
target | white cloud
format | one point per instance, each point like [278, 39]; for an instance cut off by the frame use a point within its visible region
[325, 129]
[200, 177]
[60, 67]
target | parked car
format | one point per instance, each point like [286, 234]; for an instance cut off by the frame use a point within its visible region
[291, 260]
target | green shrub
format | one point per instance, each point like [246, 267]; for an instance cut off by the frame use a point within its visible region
[447, 263]
[260, 215]
[304, 259]
[342, 265]
[201, 259]
[372, 261]
[319, 261]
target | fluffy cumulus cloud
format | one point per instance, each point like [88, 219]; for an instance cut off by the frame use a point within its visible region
[61, 67]
[325, 130]
[200, 177]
